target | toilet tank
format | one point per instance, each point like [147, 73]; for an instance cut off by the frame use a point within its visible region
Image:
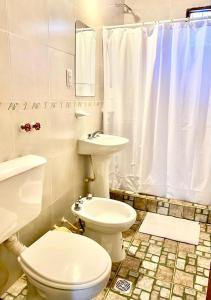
[21, 187]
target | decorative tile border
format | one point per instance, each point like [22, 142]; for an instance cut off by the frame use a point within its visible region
[48, 105]
[171, 207]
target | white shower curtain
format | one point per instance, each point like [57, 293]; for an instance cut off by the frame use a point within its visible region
[158, 94]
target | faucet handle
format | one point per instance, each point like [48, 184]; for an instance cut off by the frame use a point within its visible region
[89, 135]
[89, 196]
[36, 126]
[77, 206]
[27, 127]
[80, 200]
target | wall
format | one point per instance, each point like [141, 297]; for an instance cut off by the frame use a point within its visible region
[36, 48]
[161, 9]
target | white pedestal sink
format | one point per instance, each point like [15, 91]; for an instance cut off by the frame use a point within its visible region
[101, 149]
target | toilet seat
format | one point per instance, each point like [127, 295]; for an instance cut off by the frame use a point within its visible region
[66, 261]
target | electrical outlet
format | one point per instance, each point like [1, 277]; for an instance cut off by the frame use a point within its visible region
[69, 78]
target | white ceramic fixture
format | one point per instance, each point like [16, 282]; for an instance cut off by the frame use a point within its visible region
[63, 266]
[105, 220]
[21, 186]
[60, 265]
[101, 147]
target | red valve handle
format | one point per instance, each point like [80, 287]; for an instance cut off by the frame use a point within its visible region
[36, 126]
[27, 127]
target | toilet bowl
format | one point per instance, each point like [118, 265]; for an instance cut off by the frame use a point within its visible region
[105, 220]
[65, 266]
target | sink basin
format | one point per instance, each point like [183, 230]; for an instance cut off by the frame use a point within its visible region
[103, 144]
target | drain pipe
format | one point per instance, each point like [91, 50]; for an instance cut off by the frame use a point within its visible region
[90, 178]
[4, 276]
[63, 220]
[14, 245]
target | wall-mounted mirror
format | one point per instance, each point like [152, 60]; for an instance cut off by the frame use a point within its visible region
[85, 66]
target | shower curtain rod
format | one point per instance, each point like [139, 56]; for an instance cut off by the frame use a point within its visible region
[157, 22]
[84, 29]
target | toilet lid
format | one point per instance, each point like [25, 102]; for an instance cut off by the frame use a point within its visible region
[66, 258]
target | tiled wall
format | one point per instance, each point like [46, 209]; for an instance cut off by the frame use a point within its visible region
[36, 48]
[161, 9]
[165, 206]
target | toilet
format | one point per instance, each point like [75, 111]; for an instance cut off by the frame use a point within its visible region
[63, 266]
[60, 265]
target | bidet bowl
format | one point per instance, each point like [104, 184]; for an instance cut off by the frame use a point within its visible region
[105, 220]
[106, 215]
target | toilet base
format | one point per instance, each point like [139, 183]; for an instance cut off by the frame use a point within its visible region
[32, 293]
[37, 291]
[111, 242]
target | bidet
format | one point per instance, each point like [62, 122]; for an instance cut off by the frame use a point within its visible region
[105, 220]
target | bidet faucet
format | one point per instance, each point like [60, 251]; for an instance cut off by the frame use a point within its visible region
[77, 205]
[94, 134]
[89, 197]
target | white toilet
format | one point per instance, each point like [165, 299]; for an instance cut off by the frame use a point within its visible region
[64, 266]
[105, 220]
[59, 265]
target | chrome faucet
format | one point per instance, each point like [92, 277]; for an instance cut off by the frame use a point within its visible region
[94, 134]
[89, 197]
[77, 203]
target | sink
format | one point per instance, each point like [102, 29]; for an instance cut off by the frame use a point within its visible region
[103, 144]
[101, 148]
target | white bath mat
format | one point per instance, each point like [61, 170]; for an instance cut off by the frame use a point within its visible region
[172, 228]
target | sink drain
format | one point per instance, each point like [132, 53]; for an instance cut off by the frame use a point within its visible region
[123, 286]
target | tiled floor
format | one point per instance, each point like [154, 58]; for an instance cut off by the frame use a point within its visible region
[157, 268]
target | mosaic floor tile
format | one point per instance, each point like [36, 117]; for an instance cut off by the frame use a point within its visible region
[114, 296]
[165, 273]
[184, 278]
[157, 268]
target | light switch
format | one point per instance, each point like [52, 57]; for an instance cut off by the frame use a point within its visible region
[69, 78]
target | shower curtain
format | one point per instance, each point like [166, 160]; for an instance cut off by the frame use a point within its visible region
[158, 95]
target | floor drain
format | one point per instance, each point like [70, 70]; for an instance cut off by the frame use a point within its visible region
[123, 286]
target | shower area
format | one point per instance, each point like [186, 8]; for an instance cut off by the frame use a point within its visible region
[157, 81]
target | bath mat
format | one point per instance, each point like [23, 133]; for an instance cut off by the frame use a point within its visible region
[172, 228]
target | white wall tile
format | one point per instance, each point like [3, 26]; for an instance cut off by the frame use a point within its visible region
[3, 14]
[59, 63]
[160, 9]
[29, 70]
[29, 19]
[62, 17]
[5, 89]
[7, 146]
